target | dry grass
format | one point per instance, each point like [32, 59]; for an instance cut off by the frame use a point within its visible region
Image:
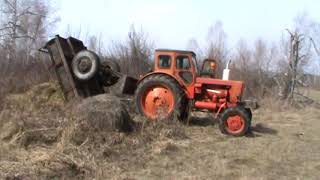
[37, 139]
[314, 94]
[36, 142]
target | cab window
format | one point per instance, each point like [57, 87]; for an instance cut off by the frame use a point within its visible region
[206, 67]
[183, 62]
[164, 61]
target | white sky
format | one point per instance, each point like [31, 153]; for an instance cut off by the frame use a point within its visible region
[171, 23]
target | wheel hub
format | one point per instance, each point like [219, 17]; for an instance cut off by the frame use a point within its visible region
[235, 124]
[84, 65]
[158, 102]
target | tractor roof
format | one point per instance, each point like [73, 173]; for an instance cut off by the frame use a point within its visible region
[174, 50]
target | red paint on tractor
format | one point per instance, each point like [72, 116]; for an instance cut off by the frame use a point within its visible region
[235, 124]
[157, 100]
[205, 105]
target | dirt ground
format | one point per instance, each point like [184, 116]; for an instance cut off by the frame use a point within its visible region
[35, 144]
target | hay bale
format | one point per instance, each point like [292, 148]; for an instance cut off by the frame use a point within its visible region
[97, 116]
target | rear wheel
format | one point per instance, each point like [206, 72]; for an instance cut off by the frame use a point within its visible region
[111, 64]
[234, 121]
[160, 97]
[85, 65]
[108, 78]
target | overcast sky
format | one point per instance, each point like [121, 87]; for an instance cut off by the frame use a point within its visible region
[171, 23]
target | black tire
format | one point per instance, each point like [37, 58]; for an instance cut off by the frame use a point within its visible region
[113, 65]
[85, 65]
[249, 113]
[187, 113]
[161, 79]
[238, 110]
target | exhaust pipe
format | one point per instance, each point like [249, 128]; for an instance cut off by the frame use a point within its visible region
[226, 72]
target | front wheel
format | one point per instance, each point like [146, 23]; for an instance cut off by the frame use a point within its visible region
[234, 121]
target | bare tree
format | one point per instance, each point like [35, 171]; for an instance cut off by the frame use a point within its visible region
[96, 44]
[242, 66]
[299, 56]
[216, 45]
[261, 67]
[194, 46]
[25, 25]
[134, 54]
[24, 28]
[315, 37]
[295, 59]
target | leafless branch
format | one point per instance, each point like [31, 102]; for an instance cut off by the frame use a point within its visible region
[9, 3]
[289, 32]
[4, 28]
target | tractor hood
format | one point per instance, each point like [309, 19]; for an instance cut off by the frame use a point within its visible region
[235, 87]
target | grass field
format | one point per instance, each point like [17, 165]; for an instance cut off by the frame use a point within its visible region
[283, 144]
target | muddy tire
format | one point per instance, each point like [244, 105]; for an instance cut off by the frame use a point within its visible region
[234, 121]
[248, 110]
[108, 78]
[110, 64]
[85, 65]
[160, 97]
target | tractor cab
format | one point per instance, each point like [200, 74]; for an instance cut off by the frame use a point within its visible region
[183, 65]
[180, 64]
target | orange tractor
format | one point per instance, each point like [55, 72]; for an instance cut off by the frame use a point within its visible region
[174, 89]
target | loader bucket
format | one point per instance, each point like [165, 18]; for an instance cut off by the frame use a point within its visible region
[125, 85]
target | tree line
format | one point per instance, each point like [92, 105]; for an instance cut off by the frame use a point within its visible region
[284, 68]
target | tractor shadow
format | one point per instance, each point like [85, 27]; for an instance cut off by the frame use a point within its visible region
[259, 129]
[201, 121]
